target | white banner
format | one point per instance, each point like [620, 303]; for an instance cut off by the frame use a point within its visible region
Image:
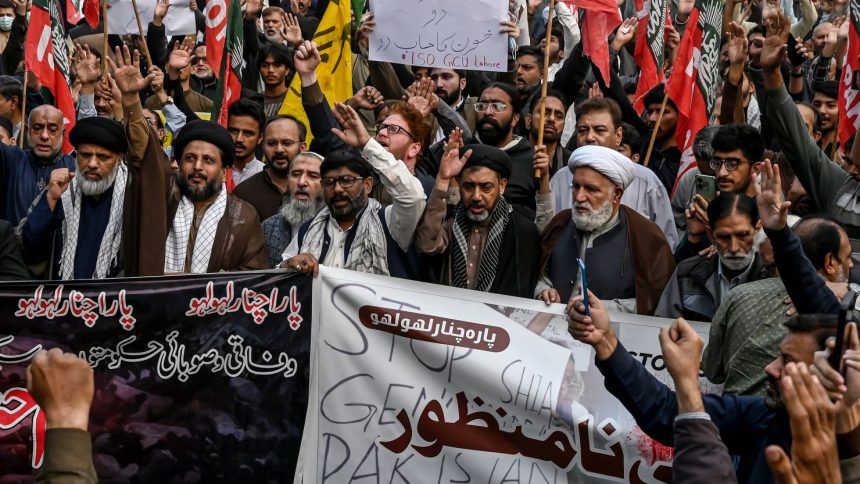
[440, 33]
[121, 19]
[415, 382]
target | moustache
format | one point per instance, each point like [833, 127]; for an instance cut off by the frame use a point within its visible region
[200, 175]
[477, 205]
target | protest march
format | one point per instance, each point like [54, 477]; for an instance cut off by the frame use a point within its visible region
[427, 241]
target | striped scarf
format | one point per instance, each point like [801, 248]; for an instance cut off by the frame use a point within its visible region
[112, 237]
[490, 257]
[176, 246]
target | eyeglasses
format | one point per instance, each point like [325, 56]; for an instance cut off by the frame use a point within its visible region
[483, 106]
[393, 129]
[198, 60]
[273, 143]
[731, 164]
[344, 181]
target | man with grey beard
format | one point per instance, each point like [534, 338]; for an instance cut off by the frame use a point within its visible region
[304, 198]
[79, 218]
[600, 232]
[483, 242]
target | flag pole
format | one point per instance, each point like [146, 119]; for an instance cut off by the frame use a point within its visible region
[543, 87]
[23, 111]
[656, 126]
[141, 36]
[105, 48]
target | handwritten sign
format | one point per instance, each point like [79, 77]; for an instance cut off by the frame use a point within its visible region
[404, 387]
[440, 33]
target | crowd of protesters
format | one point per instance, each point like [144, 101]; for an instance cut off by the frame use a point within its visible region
[437, 175]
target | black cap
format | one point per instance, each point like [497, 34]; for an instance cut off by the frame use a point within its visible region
[103, 132]
[209, 132]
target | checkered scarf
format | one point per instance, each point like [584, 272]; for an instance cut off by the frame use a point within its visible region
[112, 237]
[490, 257]
[369, 250]
[176, 247]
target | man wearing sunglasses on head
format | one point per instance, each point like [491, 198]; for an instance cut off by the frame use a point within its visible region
[354, 231]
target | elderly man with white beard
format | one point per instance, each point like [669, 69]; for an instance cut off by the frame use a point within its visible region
[627, 258]
[79, 218]
[303, 200]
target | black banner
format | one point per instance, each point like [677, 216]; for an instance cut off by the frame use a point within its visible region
[197, 378]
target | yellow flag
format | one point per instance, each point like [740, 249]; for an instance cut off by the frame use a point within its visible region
[335, 71]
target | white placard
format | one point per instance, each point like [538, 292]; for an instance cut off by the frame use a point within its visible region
[121, 20]
[414, 382]
[440, 33]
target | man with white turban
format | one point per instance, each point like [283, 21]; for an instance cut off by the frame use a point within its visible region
[627, 257]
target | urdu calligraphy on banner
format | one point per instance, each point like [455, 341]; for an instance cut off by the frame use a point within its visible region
[406, 387]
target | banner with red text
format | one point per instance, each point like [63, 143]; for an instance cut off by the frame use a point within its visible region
[197, 378]
[413, 382]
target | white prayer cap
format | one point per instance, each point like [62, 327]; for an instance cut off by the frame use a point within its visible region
[606, 161]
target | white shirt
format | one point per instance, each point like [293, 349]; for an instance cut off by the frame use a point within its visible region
[401, 216]
[646, 195]
[251, 168]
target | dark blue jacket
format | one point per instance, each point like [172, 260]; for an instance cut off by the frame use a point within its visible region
[804, 285]
[747, 425]
[22, 179]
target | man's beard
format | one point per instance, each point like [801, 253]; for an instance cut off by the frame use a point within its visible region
[548, 137]
[477, 217]
[207, 76]
[297, 212]
[842, 276]
[349, 212]
[449, 99]
[492, 132]
[594, 218]
[278, 171]
[94, 188]
[198, 194]
[738, 261]
[773, 398]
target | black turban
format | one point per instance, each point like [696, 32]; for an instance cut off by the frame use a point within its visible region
[209, 132]
[107, 133]
[489, 157]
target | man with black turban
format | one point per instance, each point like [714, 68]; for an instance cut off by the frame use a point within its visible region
[210, 230]
[88, 207]
[482, 242]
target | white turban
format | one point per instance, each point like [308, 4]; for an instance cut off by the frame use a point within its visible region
[606, 161]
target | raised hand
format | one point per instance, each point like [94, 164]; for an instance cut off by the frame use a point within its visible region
[157, 83]
[420, 96]
[814, 457]
[772, 206]
[62, 385]
[127, 72]
[22, 6]
[252, 8]
[58, 184]
[87, 66]
[161, 8]
[682, 350]
[367, 97]
[306, 60]
[625, 33]
[180, 56]
[451, 163]
[775, 43]
[673, 40]
[354, 133]
[738, 45]
[292, 33]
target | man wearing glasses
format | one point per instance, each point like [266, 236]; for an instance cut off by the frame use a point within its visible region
[498, 113]
[355, 231]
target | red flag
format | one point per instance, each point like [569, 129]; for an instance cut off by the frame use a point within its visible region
[849, 85]
[695, 77]
[229, 88]
[78, 9]
[216, 31]
[74, 11]
[48, 59]
[650, 40]
[92, 11]
[601, 18]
